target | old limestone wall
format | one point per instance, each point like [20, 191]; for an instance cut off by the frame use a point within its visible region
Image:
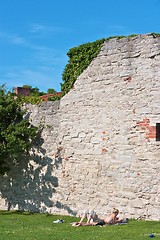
[108, 130]
[98, 146]
[31, 185]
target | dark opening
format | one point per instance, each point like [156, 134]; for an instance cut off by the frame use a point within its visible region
[157, 131]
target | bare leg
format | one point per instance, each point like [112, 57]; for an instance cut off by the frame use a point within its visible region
[78, 224]
[82, 217]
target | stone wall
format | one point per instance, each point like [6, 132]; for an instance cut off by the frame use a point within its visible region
[98, 146]
[31, 185]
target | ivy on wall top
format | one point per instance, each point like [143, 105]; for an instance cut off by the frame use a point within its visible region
[79, 59]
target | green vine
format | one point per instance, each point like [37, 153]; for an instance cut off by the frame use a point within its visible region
[30, 99]
[120, 37]
[79, 59]
[55, 98]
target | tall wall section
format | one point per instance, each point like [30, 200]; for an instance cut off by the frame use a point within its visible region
[100, 145]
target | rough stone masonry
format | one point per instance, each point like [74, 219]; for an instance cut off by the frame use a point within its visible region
[100, 144]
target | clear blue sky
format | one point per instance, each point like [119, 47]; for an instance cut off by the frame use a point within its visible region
[35, 35]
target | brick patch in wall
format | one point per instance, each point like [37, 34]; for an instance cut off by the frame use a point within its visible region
[104, 139]
[104, 150]
[157, 131]
[145, 125]
[104, 132]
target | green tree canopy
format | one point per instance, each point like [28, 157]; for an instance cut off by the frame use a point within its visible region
[51, 90]
[27, 86]
[17, 135]
[34, 90]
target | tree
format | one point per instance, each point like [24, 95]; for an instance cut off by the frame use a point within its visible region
[51, 90]
[27, 86]
[17, 135]
[34, 91]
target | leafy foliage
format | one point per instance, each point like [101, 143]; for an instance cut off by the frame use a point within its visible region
[32, 99]
[79, 59]
[122, 36]
[17, 135]
[34, 91]
[51, 90]
[54, 98]
[118, 37]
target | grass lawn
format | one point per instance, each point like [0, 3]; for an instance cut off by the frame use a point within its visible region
[34, 226]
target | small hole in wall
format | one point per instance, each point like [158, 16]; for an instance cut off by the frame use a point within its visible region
[157, 131]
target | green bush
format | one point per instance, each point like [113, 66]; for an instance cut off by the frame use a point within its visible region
[30, 99]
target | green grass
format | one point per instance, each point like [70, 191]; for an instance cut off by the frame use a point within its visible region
[34, 226]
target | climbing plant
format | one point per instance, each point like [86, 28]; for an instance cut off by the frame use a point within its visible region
[79, 59]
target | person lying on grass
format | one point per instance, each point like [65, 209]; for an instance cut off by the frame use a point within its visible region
[90, 215]
[108, 220]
